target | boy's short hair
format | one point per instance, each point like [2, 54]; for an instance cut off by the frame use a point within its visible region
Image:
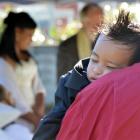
[126, 32]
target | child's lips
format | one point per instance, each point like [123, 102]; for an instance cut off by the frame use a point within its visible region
[93, 79]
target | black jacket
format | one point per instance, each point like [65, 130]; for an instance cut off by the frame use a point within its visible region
[69, 85]
[67, 55]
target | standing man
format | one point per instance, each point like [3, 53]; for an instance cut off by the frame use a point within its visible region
[79, 45]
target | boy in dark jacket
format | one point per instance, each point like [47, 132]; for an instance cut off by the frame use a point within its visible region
[109, 109]
[111, 52]
[69, 85]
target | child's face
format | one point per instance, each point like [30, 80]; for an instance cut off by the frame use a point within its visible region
[107, 56]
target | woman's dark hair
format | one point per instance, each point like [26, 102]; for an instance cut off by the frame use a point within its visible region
[7, 43]
[125, 31]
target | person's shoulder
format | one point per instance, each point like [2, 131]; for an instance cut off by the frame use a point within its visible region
[63, 78]
[71, 39]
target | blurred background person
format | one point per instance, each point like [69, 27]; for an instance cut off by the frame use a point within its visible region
[78, 46]
[18, 71]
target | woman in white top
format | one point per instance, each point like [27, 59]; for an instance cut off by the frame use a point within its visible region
[18, 70]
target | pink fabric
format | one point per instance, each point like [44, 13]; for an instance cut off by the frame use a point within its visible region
[108, 109]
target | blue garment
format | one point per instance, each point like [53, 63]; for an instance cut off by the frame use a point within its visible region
[69, 85]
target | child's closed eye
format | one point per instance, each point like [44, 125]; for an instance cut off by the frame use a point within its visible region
[112, 67]
[94, 60]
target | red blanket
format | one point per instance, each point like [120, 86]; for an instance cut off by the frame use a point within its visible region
[108, 109]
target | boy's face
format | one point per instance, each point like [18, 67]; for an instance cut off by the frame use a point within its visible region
[107, 55]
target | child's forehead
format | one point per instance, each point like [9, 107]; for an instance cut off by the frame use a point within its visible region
[105, 41]
[104, 37]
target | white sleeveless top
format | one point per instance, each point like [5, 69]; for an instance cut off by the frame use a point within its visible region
[8, 80]
[28, 81]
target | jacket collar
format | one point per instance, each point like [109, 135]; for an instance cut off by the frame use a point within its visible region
[77, 79]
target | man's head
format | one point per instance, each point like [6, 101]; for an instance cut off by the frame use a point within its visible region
[91, 17]
[117, 46]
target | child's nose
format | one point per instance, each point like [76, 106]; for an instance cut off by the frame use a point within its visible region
[98, 69]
